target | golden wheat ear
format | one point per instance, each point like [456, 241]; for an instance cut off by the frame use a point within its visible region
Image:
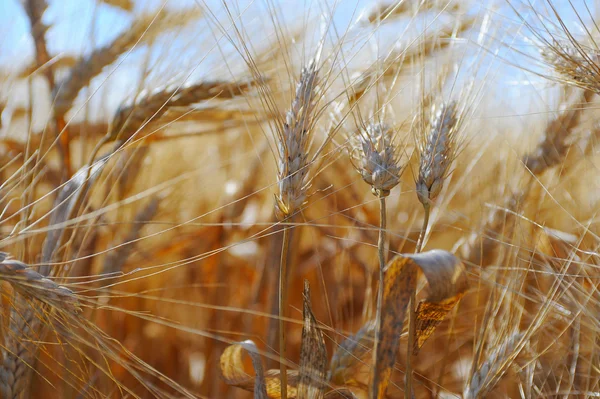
[293, 145]
[31, 284]
[376, 157]
[574, 63]
[437, 149]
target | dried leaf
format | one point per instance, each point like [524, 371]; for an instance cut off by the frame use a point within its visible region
[232, 368]
[341, 393]
[233, 371]
[447, 283]
[399, 281]
[313, 354]
[447, 280]
[429, 315]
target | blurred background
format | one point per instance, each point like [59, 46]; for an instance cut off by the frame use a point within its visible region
[172, 247]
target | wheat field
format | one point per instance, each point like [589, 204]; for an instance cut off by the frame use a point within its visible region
[312, 199]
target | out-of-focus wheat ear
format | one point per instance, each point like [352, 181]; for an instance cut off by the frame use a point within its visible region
[17, 356]
[384, 11]
[482, 246]
[129, 118]
[555, 143]
[376, 157]
[143, 29]
[125, 5]
[350, 355]
[484, 379]
[32, 284]
[115, 260]
[575, 64]
[19, 349]
[66, 204]
[437, 148]
[293, 144]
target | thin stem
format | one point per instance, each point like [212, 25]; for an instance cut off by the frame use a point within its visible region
[381, 253]
[282, 304]
[426, 208]
[412, 319]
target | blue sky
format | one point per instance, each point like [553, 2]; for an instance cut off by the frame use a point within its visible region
[78, 26]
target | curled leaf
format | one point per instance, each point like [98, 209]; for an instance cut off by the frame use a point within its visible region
[232, 368]
[264, 385]
[447, 280]
[447, 283]
[399, 281]
[313, 354]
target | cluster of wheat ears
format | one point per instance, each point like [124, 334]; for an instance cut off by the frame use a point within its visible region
[299, 207]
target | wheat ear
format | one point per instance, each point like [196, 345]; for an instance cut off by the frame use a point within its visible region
[18, 351]
[32, 284]
[493, 368]
[575, 64]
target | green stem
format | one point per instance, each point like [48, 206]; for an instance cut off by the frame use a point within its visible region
[412, 319]
[282, 305]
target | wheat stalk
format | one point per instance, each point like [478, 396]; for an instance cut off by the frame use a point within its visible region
[437, 148]
[376, 157]
[292, 170]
